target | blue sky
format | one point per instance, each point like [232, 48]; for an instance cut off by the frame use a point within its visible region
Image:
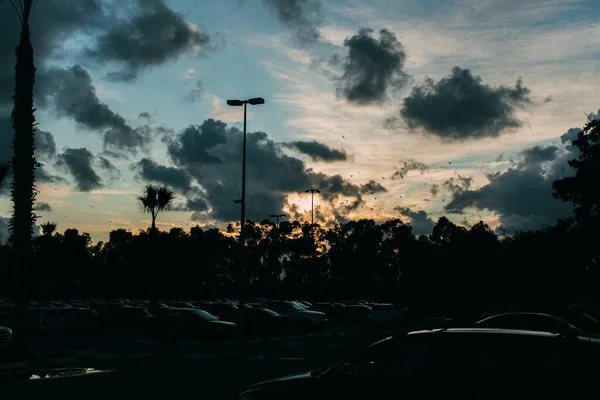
[552, 45]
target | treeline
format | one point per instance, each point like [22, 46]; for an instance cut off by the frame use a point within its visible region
[455, 269]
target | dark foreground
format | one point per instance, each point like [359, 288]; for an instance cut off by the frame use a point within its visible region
[192, 379]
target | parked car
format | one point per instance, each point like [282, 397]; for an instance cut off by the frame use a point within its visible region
[329, 309]
[299, 316]
[532, 322]
[354, 314]
[452, 360]
[5, 341]
[225, 311]
[383, 314]
[199, 324]
[262, 321]
[81, 319]
[46, 319]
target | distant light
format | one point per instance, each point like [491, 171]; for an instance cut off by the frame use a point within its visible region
[234, 103]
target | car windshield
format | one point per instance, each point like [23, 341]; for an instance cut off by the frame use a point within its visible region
[266, 311]
[294, 306]
[204, 315]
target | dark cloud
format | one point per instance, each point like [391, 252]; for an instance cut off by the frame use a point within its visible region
[152, 35]
[434, 190]
[72, 95]
[421, 223]
[145, 115]
[460, 106]
[456, 185]
[522, 195]
[372, 187]
[42, 176]
[42, 207]
[78, 162]
[302, 16]
[194, 93]
[45, 147]
[318, 151]
[548, 99]
[52, 22]
[409, 165]
[211, 154]
[372, 68]
[176, 178]
[106, 165]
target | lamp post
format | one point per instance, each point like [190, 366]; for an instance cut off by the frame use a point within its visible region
[277, 216]
[242, 256]
[312, 192]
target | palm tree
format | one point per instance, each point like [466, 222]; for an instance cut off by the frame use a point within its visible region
[48, 228]
[154, 200]
[23, 170]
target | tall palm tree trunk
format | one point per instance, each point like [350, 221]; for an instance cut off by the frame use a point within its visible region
[23, 166]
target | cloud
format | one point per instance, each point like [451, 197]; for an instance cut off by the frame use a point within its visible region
[78, 162]
[194, 93]
[456, 185]
[42, 207]
[211, 154]
[45, 147]
[189, 74]
[41, 175]
[72, 95]
[460, 107]
[318, 151]
[434, 189]
[153, 35]
[409, 165]
[372, 187]
[420, 221]
[521, 196]
[176, 178]
[302, 16]
[372, 68]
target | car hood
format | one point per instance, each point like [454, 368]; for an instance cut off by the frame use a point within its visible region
[287, 379]
[5, 331]
[313, 313]
[224, 324]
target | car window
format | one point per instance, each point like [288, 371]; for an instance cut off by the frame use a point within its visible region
[400, 357]
[529, 322]
[411, 356]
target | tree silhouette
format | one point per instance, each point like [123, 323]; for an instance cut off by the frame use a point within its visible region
[583, 189]
[48, 228]
[23, 190]
[154, 200]
[3, 173]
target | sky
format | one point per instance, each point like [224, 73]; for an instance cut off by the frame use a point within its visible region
[391, 108]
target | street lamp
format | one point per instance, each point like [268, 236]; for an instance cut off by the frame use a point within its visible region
[277, 216]
[242, 259]
[312, 192]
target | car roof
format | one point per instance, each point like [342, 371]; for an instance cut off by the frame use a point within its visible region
[484, 331]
